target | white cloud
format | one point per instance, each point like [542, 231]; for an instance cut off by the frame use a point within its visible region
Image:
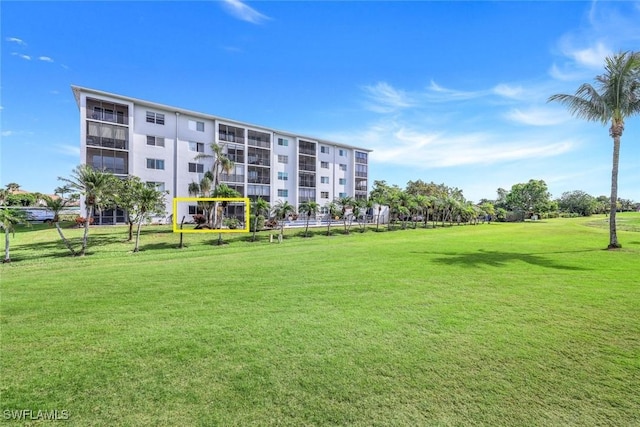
[435, 92]
[243, 12]
[591, 57]
[6, 133]
[20, 55]
[45, 58]
[508, 91]
[537, 116]
[16, 41]
[385, 99]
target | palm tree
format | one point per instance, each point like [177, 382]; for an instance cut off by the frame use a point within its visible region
[221, 162]
[9, 218]
[345, 203]
[259, 206]
[281, 210]
[222, 191]
[310, 207]
[12, 187]
[616, 97]
[149, 201]
[97, 187]
[56, 206]
[332, 210]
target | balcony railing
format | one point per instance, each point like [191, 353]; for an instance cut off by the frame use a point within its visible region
[96, 141]
[259, 143]
[230, 137]
[231, 178]
[361, 174]
[110, 117]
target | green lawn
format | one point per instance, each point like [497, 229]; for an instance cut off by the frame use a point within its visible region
[530, 324]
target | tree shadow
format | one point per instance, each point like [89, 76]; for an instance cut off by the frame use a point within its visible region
[502, 259]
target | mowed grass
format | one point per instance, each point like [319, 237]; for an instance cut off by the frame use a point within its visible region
[529, 324]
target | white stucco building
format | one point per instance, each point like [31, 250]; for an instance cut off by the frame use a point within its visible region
[159, 143]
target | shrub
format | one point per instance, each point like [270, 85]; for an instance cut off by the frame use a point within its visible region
[231, 223]
[199, 219]
[80, 220]
[252, 223]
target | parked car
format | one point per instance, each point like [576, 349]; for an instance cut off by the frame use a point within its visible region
[39, 215]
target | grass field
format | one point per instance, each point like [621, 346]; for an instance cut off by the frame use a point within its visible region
[529, 324]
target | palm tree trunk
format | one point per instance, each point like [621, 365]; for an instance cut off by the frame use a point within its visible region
[307, 226]
[7, 258]
[615, 132]
[64, 239]
[136, 248]
[85, 237]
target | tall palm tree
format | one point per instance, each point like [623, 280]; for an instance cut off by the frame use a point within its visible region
[9, 218]
[615, 98]
[221, 163]
[259, 206]
[310, 208]
[98, 189]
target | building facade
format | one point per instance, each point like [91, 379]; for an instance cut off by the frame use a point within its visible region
[160, 144]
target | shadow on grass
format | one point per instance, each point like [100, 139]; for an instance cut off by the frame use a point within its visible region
[57, 249]
[502, 259]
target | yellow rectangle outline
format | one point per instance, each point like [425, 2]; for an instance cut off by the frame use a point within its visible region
[211, 199]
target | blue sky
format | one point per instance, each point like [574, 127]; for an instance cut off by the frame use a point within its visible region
[450, 92]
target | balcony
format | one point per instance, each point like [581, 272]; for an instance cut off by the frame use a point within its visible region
[255, 142]
[96, 141]
[231, 178]
[107, 112]
[230, 137]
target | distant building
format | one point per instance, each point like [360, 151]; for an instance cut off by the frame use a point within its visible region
[159, 143]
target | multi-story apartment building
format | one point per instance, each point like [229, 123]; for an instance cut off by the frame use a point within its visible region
[160, 144]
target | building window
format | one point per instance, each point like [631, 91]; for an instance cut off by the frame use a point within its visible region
[157, 185]
[196, 167]
[361, 157]
[157, 141]
[198, 126]
[283, 159]
[324, 149]
[155, 164]
[196, 146]
[342, 153]
[342, 181]
[324, 194]
[283, 142]
[324, 179]
[343, 167]
[156, 118]
[195, 210]
[324, 165]
[283, 193]
[283, 176]
[343, 195]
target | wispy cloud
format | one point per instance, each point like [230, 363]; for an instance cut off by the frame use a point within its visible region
[435, 92]
[6, 133]
[243, 12]
[537, 116]
[383, 98]
[16, 41]
[508, 91]
[20, 55]
[45, 58]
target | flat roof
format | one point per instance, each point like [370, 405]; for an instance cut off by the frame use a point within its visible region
[79, 89]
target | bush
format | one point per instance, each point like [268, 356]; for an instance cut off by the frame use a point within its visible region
[80, 220]
[253, 221]
[231, 223]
